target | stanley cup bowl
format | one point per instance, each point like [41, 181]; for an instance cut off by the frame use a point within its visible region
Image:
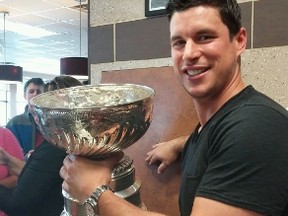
[94, 121]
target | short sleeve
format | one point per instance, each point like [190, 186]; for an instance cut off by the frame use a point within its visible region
[248, 160]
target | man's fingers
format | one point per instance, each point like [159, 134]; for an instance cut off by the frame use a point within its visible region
[64, 186]
[71, 157]
[63, 172]
[161, 168]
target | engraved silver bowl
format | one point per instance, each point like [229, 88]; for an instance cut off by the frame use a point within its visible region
[94, 121]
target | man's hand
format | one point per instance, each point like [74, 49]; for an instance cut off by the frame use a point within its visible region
[82, 175]
[166, 153]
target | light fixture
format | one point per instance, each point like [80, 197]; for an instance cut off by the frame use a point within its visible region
[76, 66]
[9, 73]
[28, 30]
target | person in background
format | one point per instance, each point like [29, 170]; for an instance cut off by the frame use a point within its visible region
[235, 161]
[85, 82]
[23, 125]
[38, 190]
[9, 144]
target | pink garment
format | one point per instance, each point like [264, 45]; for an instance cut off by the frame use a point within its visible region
[10, 144]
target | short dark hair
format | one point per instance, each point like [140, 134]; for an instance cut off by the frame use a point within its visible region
[35, 81]
[60, 82]
[229, 10]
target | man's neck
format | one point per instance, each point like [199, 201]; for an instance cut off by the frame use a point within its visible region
[205, 109]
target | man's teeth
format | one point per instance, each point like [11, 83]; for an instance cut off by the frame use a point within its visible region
[194, 72]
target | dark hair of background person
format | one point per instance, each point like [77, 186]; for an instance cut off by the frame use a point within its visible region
[86, 82]
[61, 82]
[36, 81]
[229, 10]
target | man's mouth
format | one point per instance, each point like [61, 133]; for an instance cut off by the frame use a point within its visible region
[195, 72]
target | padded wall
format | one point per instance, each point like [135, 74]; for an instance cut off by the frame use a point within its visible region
[173, 115]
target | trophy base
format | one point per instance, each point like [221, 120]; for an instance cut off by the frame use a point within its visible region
[123, 182]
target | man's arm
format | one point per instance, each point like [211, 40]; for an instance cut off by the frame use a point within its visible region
[111, 205]
[202, 207]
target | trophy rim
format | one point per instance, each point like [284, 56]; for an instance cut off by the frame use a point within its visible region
[35, 103]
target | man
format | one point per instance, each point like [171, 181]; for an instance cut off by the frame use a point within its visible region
[235, 162]
[23, 125]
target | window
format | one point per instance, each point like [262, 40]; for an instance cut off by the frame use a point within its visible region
[4, 109]
[12, 101]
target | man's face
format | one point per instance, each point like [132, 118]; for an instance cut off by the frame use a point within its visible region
[204, 56]
[32, 91]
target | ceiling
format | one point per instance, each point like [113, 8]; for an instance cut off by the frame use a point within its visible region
[37, 35]
[25, 44]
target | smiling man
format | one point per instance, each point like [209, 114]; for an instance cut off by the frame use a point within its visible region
[235, 161]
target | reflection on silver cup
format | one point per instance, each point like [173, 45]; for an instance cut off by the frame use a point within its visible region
[95, 121]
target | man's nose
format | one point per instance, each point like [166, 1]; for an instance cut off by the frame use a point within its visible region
[191, 51]
[37, 92]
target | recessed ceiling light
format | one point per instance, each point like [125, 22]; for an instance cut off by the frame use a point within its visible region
[27, 30]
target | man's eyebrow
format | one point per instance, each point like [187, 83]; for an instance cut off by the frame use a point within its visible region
[199, 32]
[205, 31]
[175, 37]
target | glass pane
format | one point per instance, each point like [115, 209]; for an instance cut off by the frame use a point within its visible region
[3, 115]
[3, 108]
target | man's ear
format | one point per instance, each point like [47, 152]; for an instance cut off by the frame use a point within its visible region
[241, 40]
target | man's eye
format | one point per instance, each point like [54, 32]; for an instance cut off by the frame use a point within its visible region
[204, 37]
[178, 43]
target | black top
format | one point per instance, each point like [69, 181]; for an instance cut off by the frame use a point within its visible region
[38, 191]
[240, 157]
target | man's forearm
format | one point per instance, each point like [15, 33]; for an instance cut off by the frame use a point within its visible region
[111, 205]
[180, 143]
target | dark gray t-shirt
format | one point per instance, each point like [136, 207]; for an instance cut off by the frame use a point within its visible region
[240, 157]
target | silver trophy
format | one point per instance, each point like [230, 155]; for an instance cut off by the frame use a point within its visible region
[95, 121]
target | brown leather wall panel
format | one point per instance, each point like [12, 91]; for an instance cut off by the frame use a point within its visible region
[173, 115]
